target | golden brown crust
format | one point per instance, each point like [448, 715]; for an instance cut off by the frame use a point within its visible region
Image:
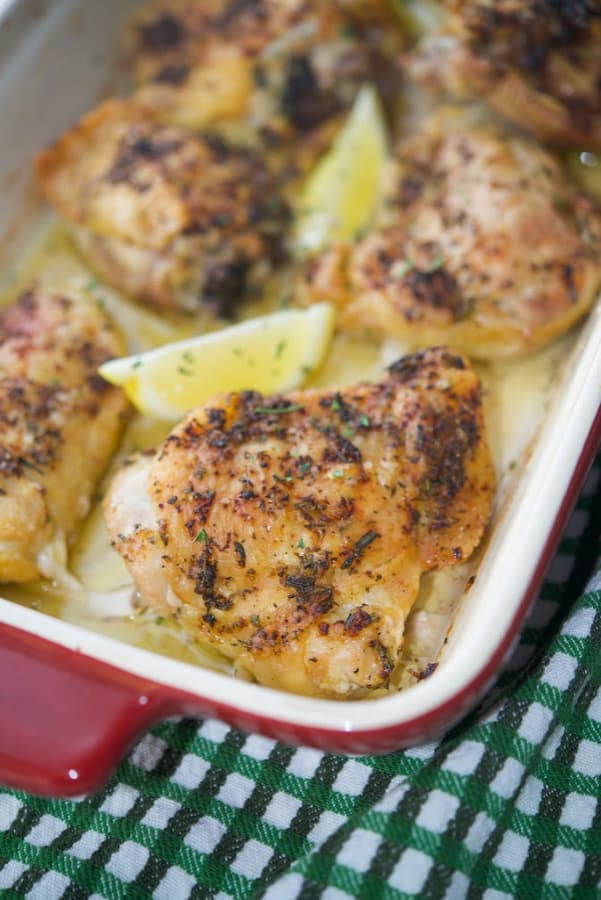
[535, 63]
[173, 218]
[185, 32]
[287, 69]
[59, 420]
[483, 244]
[369, 11]
[291, 531]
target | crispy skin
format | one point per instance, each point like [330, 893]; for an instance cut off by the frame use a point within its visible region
[537, 63]
[290, 532]
[59, 422]
[287, 68]
[172, 218]
[483, 244]
[369, 11]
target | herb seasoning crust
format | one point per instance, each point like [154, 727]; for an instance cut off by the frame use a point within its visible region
[290, 532]
[60, 422]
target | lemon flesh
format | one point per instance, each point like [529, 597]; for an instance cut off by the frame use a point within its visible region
[340, 195]
[269, 354]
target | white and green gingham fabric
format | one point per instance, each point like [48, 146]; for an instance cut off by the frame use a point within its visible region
[507, 805]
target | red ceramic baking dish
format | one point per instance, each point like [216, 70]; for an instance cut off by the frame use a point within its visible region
[73, 700]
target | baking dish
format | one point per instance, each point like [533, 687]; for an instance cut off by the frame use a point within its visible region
[71, 700]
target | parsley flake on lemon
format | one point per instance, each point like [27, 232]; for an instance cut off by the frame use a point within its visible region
[341, 193]
[270, 353]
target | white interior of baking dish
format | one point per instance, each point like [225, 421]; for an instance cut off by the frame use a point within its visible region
[57, 61]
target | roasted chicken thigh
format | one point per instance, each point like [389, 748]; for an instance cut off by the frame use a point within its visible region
[290, 532]
[172, 218]
[536, 62]
[482, 243]
[59, 424]
[286, 69]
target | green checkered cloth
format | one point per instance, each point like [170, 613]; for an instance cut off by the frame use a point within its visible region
[506, 805]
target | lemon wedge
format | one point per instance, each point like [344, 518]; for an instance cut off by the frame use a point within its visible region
[269, 353]
[340, 195]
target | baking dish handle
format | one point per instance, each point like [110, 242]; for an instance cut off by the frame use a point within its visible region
[66, 719]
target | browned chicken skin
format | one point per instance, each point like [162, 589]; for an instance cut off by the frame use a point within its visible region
[482, 244]
[172, 218]
[537, 63]
[369, 11]
[288, 69]
[59, 423]
[290, 532]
